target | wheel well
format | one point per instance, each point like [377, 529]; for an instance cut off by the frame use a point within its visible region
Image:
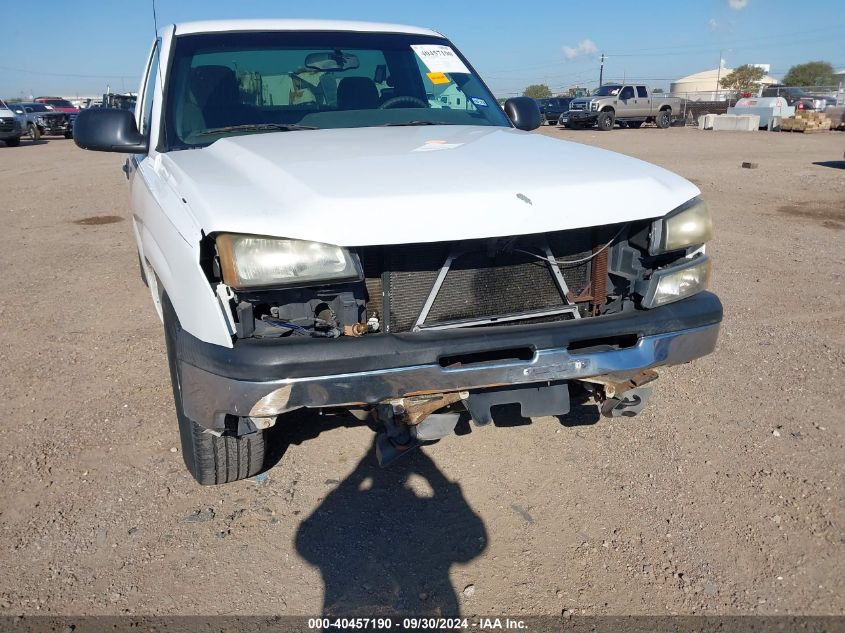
[607, 109]
[666, 108]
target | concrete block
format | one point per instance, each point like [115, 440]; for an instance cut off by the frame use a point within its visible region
[705, 122]
[737, 123]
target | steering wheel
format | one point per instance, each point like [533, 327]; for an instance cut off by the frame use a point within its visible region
[394, 101]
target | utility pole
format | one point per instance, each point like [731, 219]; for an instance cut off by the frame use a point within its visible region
[719, 76]
[601, 70]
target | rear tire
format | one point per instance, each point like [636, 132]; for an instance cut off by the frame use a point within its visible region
[13, 142]
[663, 119]
[605, 121]
[34, 132]
[210, 459]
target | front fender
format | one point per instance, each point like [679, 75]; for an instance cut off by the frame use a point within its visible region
[173, 257]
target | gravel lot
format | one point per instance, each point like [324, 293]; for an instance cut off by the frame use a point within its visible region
[724, 497]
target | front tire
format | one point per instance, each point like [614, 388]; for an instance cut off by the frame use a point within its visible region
[13, 142]
[210, 459]
[663, 119]
[605, 121]
[34, 132]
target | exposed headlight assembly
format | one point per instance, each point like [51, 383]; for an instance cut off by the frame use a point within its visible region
[677, 282]
[251, 261]
[688, 225]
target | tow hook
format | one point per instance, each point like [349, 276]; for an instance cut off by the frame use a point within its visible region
[626, 405]
[410, 421]
[621, 396]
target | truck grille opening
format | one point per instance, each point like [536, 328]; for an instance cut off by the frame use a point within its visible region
[500, 281]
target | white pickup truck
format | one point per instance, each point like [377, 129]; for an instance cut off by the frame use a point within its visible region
[315, 235]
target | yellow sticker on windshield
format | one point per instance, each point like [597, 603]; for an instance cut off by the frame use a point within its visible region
[438, 78]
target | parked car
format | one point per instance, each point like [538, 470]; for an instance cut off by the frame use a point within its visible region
[631, 104]
[58, 104]
[332, 242]
[817, 103]
[798, 97]
[11, 126]
[553, 109]
[41, 120]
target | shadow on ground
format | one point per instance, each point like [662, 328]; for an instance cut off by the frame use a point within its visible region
[385, 539]
[833, 164]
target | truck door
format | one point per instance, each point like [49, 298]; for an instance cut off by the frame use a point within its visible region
[137, 164]
[643, 100]
[627, 105]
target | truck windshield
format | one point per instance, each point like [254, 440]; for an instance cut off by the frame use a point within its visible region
[225, 84]
[607, 91]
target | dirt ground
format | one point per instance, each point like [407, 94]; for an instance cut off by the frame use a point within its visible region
[726, 496]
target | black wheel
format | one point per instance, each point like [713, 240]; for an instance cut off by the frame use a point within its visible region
[663, 119]
[210, 459]
[605, 121]
[13, 142]
[634, 124]
[34, 132]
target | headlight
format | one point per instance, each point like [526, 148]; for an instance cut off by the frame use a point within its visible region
[594, 105]
[39, 120]
[677, 282]
[689, 225]
[250, 261]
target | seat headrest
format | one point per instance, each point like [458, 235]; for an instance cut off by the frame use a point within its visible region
[214, 84]
[357, 93]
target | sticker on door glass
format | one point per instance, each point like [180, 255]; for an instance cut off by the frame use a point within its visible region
[479, 102]
[437, 78]
[439, 58]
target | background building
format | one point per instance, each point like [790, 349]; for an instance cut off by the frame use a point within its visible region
[704, 86]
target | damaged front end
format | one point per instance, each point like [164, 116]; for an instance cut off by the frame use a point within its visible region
[415, 336]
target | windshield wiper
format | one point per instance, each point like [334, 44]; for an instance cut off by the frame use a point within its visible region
[416, 123]
[257, 127]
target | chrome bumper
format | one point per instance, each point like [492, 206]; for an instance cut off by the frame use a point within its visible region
[208, 397]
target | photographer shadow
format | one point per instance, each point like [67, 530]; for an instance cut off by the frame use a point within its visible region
[384, 540]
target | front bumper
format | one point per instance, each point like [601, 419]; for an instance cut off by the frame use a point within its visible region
[582, 116]
[265, 378]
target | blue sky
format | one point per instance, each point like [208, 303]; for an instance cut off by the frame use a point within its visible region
[78, 47]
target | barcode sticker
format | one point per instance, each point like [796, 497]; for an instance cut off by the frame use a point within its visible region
[439, 58]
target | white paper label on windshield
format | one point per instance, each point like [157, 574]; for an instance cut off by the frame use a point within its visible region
[439, 58]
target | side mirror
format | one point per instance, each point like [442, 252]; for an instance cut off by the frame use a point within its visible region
[524, 113]
[108, 130]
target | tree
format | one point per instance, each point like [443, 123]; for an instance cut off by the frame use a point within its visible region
[743, 79]
[810, 74]
[537, 91]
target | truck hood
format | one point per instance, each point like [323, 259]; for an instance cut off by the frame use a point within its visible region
[399, 185]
